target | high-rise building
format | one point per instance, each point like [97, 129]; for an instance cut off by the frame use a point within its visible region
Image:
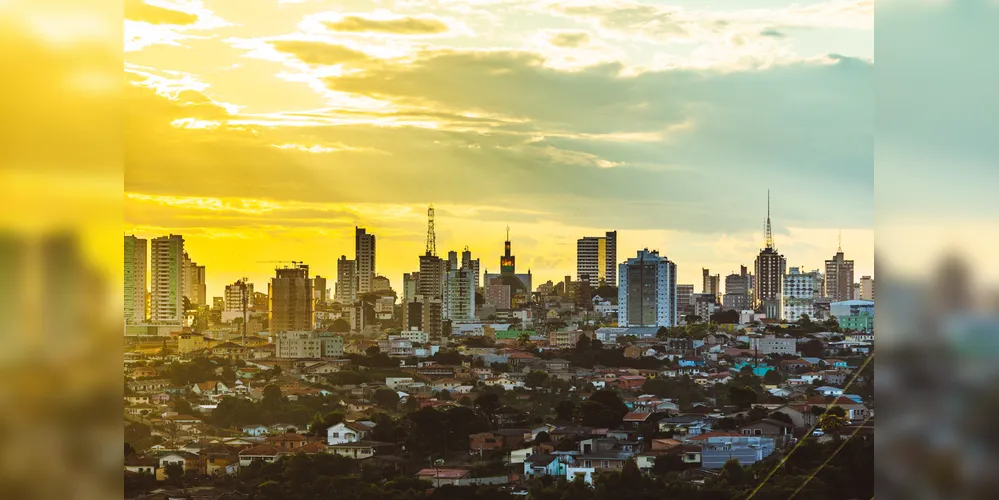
[291, 301]
[768, 272]
[135, 280]
[320, 293]
[737, 290]
[459, 296]
[596, 257]
[711, 285]
[473, 264]
[684, 300]
[364, 254]
[432, 271]
[194, 282]
[234, 295]
[519, 284]
[381, 283]
[410, 283]
[838, 285]
[452, 261]
[647, 291]
[167, 287]
[496, 293]
[866, 288]
[346, 281]
[799, 294]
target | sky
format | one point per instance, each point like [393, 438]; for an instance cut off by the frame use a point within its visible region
[267, 130]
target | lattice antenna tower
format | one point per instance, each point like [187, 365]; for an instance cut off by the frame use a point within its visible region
[431, 237]
[769, 235]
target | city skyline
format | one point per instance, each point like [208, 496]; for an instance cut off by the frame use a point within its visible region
[561, 119]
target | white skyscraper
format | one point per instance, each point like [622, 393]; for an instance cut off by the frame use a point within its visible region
[647, 291]
[167, 293]
[596, 258]
[135, 280]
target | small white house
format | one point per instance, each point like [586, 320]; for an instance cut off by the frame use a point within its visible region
[346, 432]
[255, 430]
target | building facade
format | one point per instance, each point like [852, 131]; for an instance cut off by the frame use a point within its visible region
[135, 279]
[167, 290]
[291, 301]
[857, 315]
[596, 258]
[684, 300]
[799, 294]
[364, 254]
[346, 281]
[459, 296]
[838, 284]
[866, 288]
[711, 284]
[737, 290]
[647, 291]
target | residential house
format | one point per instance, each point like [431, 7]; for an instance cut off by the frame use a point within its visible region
[829, 391]
[188, 461]
[211, 388]
[287, 441]
[779, 430]
[358, 450]
[220, 459]
[143, 372]
[545, 465]
[255, 430]
[503, 439]
[685, 425]
[801, 415]
[717, 448]
[346, 432]
[442, 477]
[265, 453]
[141, 465]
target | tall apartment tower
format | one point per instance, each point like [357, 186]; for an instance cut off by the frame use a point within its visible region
[839, 278]
[432, 272]
[711, 285]
[647, 291]
[768, 270]
[799, 294]
[167, 288]
[135, 280]
[346, 281]
[319, 291]
[364, 252]
[737, 289]
[291, 300]
[596, 258]
[194, 282]
[684, 299]
[866, 288]
[468, 262]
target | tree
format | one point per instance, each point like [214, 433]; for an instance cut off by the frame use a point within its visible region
[523, 338]
[272, 397]
[175, 473]
[386, 398]
[729, 316]
[733, 472]
[838, 411]
[488, 403]
[742, 397]
[662, 333]
[542, 437]
[372, 351]
[564, 410]
[665, 464]
[832, 424]
[781, 416]
[129, 450]
[812, 349]
[535, 379]
[340, 326]
[583, 343]
[182, 407]
[444, 395]
[772, 377]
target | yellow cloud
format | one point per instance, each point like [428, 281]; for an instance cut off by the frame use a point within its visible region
[569, 39]
[422, 25]
[320, 53]
[138, 10]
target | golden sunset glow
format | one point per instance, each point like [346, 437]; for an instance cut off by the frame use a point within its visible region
[266, 130]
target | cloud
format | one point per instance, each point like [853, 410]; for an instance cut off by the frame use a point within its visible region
[320, 53]
[396, 25]
[569, 39]
[772, 32]
[138, 10]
